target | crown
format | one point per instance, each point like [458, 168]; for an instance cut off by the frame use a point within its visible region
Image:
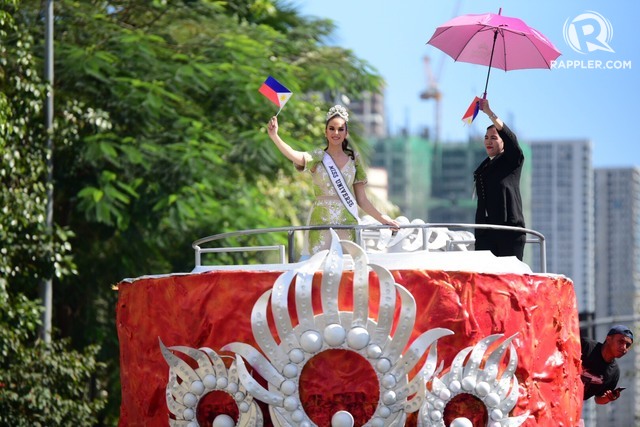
[338, 110]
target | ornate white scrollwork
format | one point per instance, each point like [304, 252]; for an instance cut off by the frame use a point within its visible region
[408, 239]
[498, 394]
[281, 357]
[332, 329]
[187, 386]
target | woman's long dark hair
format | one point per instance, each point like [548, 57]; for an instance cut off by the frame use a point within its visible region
[345, 143]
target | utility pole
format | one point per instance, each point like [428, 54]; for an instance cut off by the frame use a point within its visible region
[46, 286]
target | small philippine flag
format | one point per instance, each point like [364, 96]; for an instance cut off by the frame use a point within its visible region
[472, 111]
[275, 92]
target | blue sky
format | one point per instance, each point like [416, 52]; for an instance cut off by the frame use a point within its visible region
[573, 102]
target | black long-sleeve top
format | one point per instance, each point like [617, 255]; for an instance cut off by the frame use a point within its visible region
[497, 183]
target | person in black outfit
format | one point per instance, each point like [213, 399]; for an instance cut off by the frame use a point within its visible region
[497, 186]
[600, 372]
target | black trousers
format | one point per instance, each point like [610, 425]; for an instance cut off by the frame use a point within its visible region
[500, 242]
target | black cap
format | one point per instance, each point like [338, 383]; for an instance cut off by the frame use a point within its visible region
[621, 329]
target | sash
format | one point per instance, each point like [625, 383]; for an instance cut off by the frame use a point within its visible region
[340, 186]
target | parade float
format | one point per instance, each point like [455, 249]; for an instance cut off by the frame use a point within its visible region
[397, 329]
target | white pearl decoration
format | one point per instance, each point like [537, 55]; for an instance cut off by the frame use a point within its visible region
[188, 414]
[383, 365]
[483, 388]
[209, 381]
[290, 370]
[374, 351]
[444, 394]
[384, 412]
[469, 383]
[223, 420]
[389, 397]
[197, 387]
[342, 419]
[288, 387]
[189, 399]
[492, 400]
[455, 386]
[334, 335]
[435, 415]
[290, 403]
[496, 414]
[296, 355]
[297, 415]
[358, 338]
[222, 383]
[311, 341]
[461, 422]
[389, 381]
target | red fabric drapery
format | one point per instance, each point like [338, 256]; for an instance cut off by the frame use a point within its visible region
[214, 308]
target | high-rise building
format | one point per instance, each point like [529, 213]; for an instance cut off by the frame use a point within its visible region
[452, 190]
[617, 284]
[562, 210]
[407, 160]
[368, 110]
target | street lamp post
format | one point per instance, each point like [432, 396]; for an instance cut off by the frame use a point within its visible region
[46, 286]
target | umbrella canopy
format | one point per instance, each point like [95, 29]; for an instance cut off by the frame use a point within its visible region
[494, 40]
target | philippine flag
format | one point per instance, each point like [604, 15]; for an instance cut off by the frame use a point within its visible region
[275, 92]
[472, 111]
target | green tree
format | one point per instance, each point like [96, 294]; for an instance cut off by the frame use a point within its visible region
[160, 138]
[40, 385]
[43, 385]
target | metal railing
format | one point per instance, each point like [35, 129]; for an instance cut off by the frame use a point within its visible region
[533, 237]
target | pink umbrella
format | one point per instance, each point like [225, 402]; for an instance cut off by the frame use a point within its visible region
[494, 40]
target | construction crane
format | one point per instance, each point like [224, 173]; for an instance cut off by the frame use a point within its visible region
[432, 92]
